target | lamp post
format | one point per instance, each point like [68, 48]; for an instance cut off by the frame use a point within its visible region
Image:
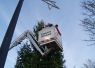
[9, 34]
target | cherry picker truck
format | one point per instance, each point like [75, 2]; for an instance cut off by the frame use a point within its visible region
[49, 40]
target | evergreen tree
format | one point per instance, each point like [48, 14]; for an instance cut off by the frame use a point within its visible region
[32, 59]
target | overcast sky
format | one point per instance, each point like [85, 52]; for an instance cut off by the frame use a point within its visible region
[68, 18]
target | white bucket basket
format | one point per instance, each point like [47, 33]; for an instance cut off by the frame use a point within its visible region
[51, 38]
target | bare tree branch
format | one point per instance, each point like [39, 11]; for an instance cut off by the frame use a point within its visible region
[51, 4]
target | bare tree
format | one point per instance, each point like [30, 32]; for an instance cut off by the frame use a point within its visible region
[89, 64]
[89, 20]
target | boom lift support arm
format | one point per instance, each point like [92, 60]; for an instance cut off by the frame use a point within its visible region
[28, 34]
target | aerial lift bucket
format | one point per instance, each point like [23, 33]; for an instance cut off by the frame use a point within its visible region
[50, 39]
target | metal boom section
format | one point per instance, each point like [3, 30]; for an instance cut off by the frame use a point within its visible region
[27, 34]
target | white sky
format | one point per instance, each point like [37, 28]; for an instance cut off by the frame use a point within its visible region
[68, 18]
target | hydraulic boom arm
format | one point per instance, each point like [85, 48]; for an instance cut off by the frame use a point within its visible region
[27, 34]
